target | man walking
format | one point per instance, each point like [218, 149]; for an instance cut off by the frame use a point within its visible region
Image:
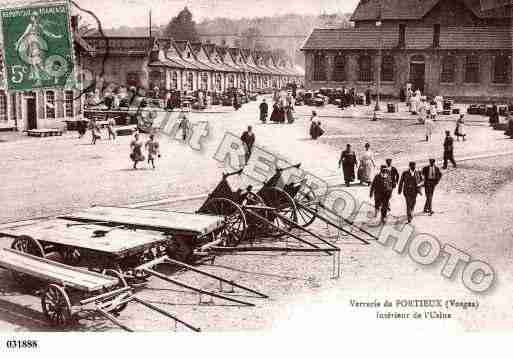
[448, 150]
[432, 176]
[248, 138]
[263, 111]
[394, 176]
[381, 189]
[409, 185]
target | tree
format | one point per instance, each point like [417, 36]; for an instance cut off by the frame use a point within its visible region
[182, 27]
[251, 38]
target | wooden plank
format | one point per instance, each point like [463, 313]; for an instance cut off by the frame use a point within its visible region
[118, 242]
[55, 272]
[152, 219]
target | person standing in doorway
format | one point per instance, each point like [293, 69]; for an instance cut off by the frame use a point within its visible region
[348, 162]
[409, 186]
[448, 150]
[432, 176]
[248, 138]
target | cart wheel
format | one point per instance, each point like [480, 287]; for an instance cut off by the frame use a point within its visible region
[70, 255]
[180, 249]
[29, 245]
[121, 284]
[56, 306]
[306, 198]
[235, 228]
[283, 204]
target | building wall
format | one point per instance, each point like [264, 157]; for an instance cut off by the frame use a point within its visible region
[446, 13]
[485, 89]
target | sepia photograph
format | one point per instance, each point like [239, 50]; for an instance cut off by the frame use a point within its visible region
[244, 167]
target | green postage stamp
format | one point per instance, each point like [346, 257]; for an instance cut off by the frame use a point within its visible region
[37, 47]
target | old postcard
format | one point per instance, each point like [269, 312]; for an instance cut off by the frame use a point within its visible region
[254, 166]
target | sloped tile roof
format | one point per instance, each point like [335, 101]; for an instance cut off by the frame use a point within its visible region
[417, 38]
[414, 9]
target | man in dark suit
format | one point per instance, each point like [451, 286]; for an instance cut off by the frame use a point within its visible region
[409, 185]
[394, 175]
[248, 138]
[432, 176]
[448, 150]
[381, 189]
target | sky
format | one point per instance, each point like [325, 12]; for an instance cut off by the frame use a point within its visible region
[115, 13]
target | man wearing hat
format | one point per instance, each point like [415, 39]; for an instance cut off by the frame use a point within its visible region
[448, 150]
[381, 189]
[409, 185]
[432, 176]
[394, 175]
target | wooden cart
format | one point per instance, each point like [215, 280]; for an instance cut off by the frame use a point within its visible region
[68, 289]
[89, 245]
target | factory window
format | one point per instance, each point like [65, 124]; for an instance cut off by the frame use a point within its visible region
[365, 68]
[501, 68]
[387, 68]
[50, 104]
[448, 69]
[3, 107]
[319, 68]
[339, 68]
[68, 103]
[472, 69]
[174, 80]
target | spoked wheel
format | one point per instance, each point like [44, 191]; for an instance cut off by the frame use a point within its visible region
[235, 228]
[29, 245]
[283, 205]
[56, 306]
[116, 309]
[306, 198]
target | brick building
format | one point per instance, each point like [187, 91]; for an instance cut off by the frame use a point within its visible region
[44, 108]
[179, 65]
[451, 48]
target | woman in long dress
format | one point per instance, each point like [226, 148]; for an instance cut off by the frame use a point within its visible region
[137, 153]
[367, 166]
[460, 128]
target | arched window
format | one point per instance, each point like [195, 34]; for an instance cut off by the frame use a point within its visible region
[339, 68]
[472, 69]
[501, 67]
[3, 107]
[319, 68]
[448, 70]
[50, 104]
[387, 68]
[365, 68]
[231, 81]
[174, 80]
[68, 103]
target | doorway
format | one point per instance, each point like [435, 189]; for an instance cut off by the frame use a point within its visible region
[31, 112]
[418, 72]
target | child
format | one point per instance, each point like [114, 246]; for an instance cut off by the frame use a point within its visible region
[153, 150]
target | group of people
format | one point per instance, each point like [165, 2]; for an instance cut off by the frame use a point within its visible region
[283, 109]
[137, 146]
[349, 97]
[387, 179]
